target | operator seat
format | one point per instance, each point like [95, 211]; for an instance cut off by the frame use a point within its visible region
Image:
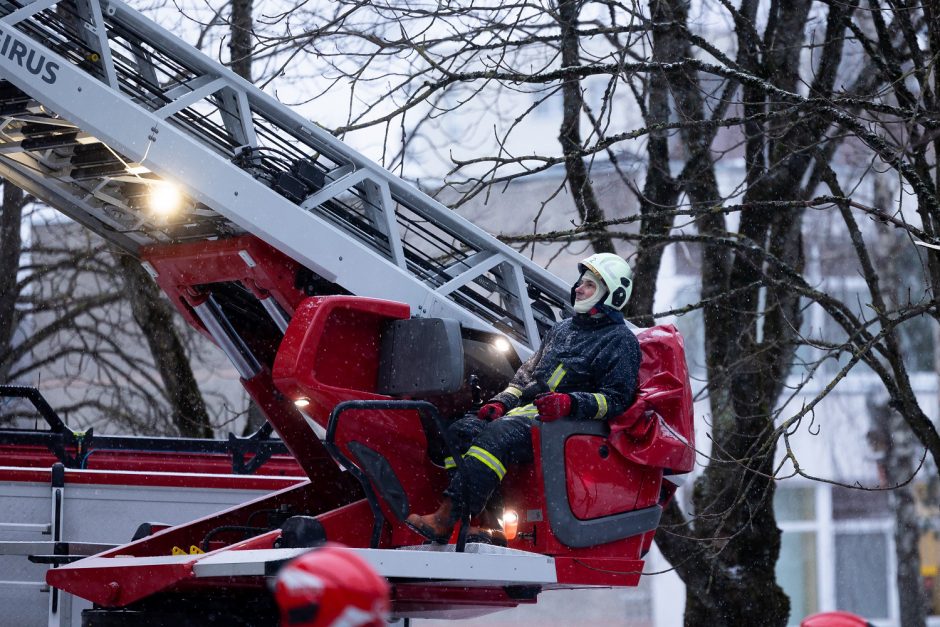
[595, 488]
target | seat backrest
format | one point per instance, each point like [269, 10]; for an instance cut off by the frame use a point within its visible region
[420, 356]
[658, 430]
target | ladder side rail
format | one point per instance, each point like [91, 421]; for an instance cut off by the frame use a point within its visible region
[443, 217]
[127, 127]
[57, 532]
[406, 194]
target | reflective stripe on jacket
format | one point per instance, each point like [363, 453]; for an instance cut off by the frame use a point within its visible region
[594, 359]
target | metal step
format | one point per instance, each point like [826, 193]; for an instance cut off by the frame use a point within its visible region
[479, 564]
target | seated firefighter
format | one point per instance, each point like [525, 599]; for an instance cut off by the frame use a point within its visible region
[585, 368]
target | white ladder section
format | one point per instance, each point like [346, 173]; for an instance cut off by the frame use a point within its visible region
[101, 103]
[60, 606]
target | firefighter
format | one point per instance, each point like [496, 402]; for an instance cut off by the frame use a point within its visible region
[586, 368]
[331, 586]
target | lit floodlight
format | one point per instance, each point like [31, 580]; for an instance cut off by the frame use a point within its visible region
[165, 198]
[510, 524]
[300, 403]
[502, 344]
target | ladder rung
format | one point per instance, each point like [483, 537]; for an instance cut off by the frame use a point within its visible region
[97, 171]
[26, 527]
[47, 142]
[39, 585]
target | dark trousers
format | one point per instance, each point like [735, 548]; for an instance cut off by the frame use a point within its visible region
[488, 448]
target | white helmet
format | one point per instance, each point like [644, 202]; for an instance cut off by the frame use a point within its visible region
[616, 275]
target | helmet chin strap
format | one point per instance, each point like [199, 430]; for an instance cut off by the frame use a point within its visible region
[584, 306]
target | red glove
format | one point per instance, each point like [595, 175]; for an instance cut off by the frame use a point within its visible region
[491, 411]
[553, 406]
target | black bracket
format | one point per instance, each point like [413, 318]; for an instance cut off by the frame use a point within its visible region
[259, 444]
[59, 437]
[35, 397]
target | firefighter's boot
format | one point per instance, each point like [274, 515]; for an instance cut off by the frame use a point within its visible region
[436, 526]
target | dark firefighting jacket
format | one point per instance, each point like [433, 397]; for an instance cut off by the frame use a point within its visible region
[594, 359]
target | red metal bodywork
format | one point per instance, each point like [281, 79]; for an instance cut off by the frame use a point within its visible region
[314, 366]
[182, 268]
[184, 271]
[601, 486]
[330, 355]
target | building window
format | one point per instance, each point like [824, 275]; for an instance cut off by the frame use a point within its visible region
[797, 568]
[797, 575]
[795, 504]
[852, 504]
[861, 574]
[836, 551]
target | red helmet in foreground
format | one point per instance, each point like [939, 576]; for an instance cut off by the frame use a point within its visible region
[331, 586]
[834, 619]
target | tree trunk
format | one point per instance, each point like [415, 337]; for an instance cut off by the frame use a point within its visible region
[579, 181]
[892, 438]
[749, 345]
[660, 191]
[240, 38]
[11, 246]
[899, 466]
[155, 318]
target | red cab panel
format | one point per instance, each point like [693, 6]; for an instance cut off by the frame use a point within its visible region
[601, 483]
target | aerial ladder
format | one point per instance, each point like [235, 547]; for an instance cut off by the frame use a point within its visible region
[116, 104]
[359, 312]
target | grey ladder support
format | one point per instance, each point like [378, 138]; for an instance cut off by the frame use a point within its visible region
[106, 103]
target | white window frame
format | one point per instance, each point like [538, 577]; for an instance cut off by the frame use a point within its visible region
[826, 528]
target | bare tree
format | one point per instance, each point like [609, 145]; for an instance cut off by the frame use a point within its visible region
[66, 291]
[811, 97]
[569, 135]
[90, 326]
